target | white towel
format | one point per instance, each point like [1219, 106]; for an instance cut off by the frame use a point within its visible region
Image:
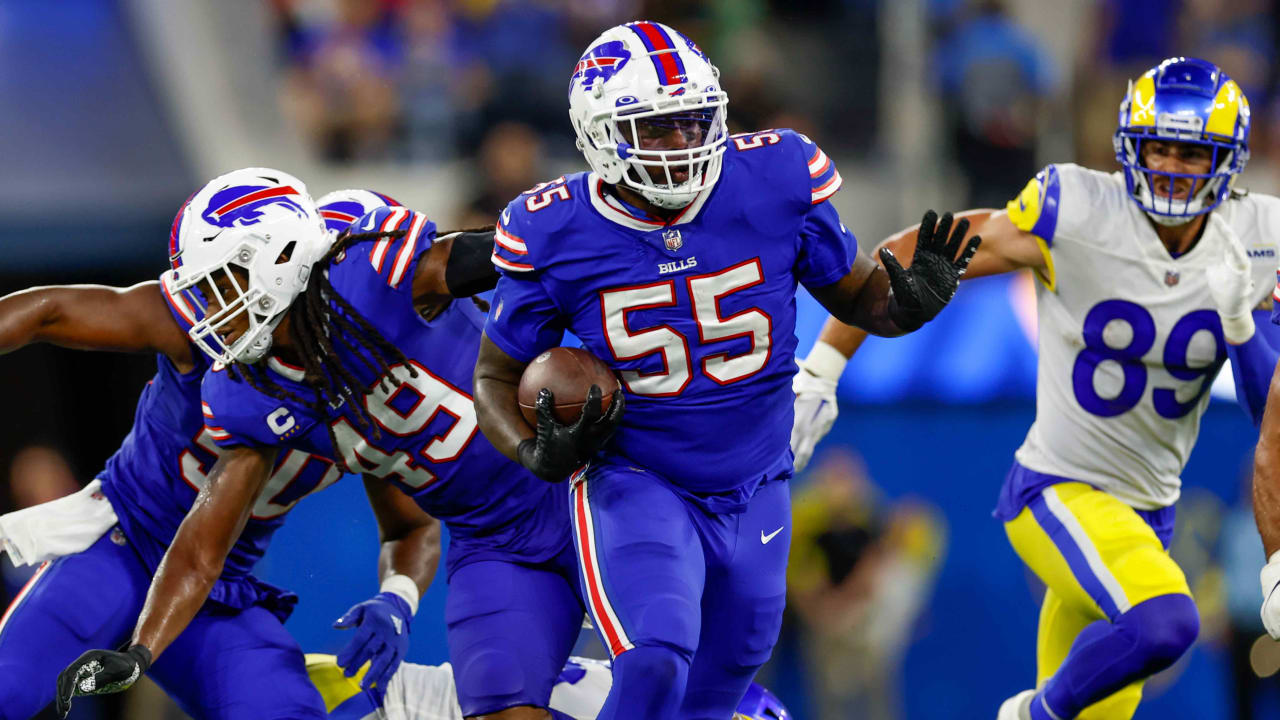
[59, 527]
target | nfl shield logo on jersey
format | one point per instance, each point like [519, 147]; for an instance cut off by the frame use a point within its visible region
[1171, 277]
[672, 239]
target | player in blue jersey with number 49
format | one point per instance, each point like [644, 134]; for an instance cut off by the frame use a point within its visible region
[676, 260]
[358, 353]
[102, 546]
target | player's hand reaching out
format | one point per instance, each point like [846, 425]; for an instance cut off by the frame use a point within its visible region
[381, 638]
[922, 290]
[556, 449]
[1231, 284]
[100, 672]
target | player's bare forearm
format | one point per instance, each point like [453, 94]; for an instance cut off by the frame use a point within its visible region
[93, 317]
[410, 537]
[497, 379]
[199, 550]
[1266, 471]
[861, 299]
[846, 339]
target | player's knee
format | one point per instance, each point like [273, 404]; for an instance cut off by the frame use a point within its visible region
[499, 672]
[661, 666]
[669, 619]
[1165, 627]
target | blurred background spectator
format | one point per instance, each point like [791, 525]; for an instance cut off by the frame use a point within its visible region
[859, 576]
[456, 106]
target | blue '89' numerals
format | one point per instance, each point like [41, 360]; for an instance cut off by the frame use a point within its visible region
[1129, 357]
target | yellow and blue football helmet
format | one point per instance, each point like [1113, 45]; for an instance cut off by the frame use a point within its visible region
[1190, 101]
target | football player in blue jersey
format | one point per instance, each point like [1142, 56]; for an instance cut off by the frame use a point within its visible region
[356, 352]
[103, 545]
[676, 260]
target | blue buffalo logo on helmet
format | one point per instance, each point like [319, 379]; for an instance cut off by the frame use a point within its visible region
[600, 63]
[242, 205]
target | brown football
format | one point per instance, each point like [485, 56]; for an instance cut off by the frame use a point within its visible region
[568, 373]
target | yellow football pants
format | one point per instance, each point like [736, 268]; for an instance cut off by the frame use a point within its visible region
[1098, 558]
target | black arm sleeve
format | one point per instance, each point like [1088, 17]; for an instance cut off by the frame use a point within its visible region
[469, 270]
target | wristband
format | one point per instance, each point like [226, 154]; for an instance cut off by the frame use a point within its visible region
[825, 362]
[403, 587]
[1238, 330]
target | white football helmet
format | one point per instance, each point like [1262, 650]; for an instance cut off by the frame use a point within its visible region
[257, 232]
[647, 74]
[340, 208]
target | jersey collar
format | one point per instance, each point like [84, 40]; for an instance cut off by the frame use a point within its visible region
[614, 210]
[292, 372]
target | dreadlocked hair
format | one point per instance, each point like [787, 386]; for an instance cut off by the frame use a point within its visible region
[321, 322]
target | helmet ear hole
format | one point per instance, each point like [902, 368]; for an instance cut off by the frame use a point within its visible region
[287, 253]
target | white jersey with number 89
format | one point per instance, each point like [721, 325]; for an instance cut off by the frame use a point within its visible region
[1130, 339]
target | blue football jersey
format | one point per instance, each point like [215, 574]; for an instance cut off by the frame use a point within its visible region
[696, 315]
[152, 480]
[425, 437]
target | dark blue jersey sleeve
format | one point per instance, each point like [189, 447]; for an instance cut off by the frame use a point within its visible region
[523, 321]
[1253, 363]
[392, 260]
[827, 248]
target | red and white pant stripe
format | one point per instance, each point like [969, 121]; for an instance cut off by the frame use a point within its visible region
[26, 589]
[598, 604]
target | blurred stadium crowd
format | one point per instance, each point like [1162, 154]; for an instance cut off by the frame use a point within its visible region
[376, 92]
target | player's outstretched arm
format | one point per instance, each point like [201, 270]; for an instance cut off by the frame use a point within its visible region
[184, 578]
[1004, 248]
[893, 300]
[94, 317]
[406, 564]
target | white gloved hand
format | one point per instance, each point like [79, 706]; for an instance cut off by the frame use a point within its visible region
[815, 389]
[1271, 596]
[1231, 285]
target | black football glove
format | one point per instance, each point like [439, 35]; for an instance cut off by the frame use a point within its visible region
[556, 450]
[101, 672]
[922, 290]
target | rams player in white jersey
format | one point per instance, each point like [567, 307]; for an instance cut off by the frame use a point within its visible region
[1147, 283]
[426, 692]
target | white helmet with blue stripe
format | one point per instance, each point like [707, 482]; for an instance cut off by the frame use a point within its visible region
[646, 76]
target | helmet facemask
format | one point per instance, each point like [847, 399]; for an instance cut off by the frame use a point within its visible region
[233, 288]
[635, 90]
[1207, 189]
[681, 173]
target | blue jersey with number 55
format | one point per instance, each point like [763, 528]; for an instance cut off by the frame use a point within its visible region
[1130, 338]
[696, 315]
[423, 436]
